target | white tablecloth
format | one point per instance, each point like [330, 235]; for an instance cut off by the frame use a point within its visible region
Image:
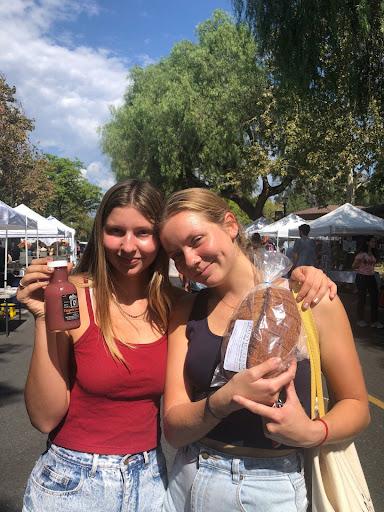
[7, 293]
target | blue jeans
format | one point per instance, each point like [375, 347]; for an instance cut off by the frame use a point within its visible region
[205, 480]
[69, 481]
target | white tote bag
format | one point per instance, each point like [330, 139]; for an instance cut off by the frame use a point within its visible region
[338, 481]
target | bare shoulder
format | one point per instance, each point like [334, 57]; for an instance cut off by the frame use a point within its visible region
[79, 280]
[181, 309]
[327, 309]
[332, 323]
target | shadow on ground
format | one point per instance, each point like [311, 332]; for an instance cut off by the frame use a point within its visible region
[8, 505]
[9, 394]
[7, 349]
[12, 326]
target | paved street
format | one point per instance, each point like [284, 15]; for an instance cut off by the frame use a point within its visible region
[21, 444]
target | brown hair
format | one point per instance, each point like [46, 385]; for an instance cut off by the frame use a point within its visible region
[206, 203]
[149, 202]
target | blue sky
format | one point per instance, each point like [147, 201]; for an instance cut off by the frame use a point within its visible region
[70, 61]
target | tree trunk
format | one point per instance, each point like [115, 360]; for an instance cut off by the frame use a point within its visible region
[351, 188]
[254, 211]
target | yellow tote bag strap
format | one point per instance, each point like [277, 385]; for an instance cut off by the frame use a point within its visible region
[312, 341]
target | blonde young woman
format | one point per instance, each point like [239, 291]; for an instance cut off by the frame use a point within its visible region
[227, 461]
[96, 390]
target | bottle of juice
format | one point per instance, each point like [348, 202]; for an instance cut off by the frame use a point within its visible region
[61, 302]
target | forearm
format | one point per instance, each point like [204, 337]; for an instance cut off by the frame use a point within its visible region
[346, 420]
[46, 391]
[188, 422]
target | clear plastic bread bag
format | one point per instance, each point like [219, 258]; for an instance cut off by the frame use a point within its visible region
[266, 323]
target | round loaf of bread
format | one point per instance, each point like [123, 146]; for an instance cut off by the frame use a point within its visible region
[276, 325]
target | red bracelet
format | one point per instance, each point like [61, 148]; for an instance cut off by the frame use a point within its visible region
[326, 431]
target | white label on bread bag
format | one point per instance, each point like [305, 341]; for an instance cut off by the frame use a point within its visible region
[237, 348]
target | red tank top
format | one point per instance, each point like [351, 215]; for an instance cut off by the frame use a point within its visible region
[114, 409]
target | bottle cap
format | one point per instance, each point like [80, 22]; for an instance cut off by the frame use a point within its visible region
[57, 263]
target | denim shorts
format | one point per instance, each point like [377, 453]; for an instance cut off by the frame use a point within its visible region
[205, 480]
[69, 481]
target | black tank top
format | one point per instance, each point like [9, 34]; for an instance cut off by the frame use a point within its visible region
[241, 427]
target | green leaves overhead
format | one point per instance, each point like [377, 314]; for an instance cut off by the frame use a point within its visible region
[316, 43]
[182, 120]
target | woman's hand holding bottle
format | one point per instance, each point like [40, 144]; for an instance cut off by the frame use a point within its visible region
[32, 285]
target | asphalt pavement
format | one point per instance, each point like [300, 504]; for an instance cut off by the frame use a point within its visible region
[21, 444]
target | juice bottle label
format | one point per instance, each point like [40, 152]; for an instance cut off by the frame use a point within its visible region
[70, 307]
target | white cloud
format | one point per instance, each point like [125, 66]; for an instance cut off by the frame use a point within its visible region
[96, 172]
[67, 89]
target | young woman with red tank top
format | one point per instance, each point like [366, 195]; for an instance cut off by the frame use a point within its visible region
[96, 390]
[236, 451]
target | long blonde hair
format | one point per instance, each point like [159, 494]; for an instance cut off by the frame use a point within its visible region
[206, 203]
[149, 202]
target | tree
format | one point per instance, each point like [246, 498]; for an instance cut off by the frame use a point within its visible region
[182, 121]
[315, 43]
[74, 199]
[212, 114]
[22, 168]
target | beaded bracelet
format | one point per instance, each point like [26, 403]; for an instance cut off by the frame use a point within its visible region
[326, 430]
[209, 408]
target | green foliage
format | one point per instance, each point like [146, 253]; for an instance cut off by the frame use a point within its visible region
[22, 168]
[241, 216]
[270, 207]
[74, 199]
[182, 121]
[315, 43]
[213, 114]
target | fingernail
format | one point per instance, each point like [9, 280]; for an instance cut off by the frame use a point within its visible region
[306, 305]
[315, 300]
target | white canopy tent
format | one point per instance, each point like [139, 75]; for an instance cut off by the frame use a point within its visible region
[68, 233]
[346, 220]
[12, 222]
[256, 226]
[282, 228]
[46, 229]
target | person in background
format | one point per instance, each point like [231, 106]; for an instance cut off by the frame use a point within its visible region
[256, 243]
[304, 249]
[366, 283]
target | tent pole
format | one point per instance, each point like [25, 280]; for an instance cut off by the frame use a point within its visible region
[37, 242]
[26, 242]
[6, 257]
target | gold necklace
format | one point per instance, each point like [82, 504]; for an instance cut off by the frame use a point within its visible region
[126, 314]
[129, 315]
[228, 305]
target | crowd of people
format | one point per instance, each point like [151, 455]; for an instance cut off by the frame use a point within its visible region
[368, 282]
[96, 390]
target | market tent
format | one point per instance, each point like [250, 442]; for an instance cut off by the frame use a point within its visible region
[68, 233]
[283, 228]
[12, 222]
[46, 228]
[346, 220]
[256, 226]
